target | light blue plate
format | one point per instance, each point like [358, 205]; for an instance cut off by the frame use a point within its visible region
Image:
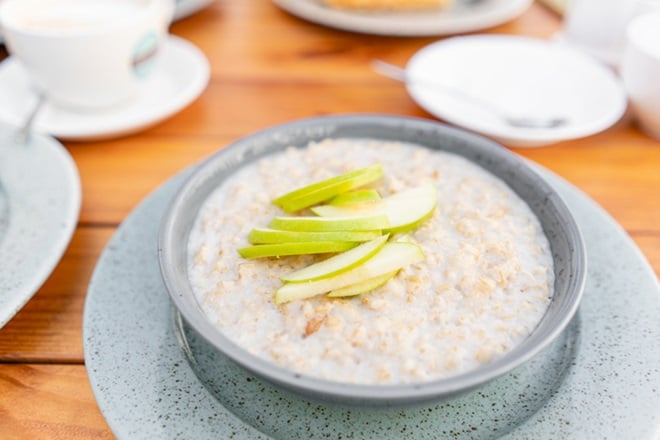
[39, 208]
[600, 379]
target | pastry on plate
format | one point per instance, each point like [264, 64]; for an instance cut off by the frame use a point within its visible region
[385, 5]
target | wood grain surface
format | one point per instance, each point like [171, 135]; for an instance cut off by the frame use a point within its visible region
[268, 67]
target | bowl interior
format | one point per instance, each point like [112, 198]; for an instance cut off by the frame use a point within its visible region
[558, 224]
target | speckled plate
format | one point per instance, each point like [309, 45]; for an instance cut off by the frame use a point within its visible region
[39, 207]
[153, 379]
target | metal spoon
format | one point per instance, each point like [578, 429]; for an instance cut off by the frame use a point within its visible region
[24, 132]
[399, 74]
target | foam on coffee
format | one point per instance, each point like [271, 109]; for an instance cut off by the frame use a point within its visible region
[77, 14]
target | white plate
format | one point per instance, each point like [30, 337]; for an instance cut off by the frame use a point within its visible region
[39, 207]
[599, 381]
[522, 77]
[180, 77]
[464, 16]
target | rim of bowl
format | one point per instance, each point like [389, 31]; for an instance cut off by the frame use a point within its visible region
[184, 299]
[12, 13]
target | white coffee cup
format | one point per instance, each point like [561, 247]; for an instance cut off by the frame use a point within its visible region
[640, 71]
[86, 54]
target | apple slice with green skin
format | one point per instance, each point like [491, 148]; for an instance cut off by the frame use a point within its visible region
[338, 263]
[361, 195]
[268, 236]
[405, 210]
[405, 238]
[362, 287]
[368, 222]
[326, 189]
[391, 257]
[286, 249]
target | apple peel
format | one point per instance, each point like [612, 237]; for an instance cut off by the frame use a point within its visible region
[268, 236]
[369, 222]
[362, 287]
[338, 263]
[405, 210]
[301, 248]
[327, 189]
[391, 257]
[361, 195]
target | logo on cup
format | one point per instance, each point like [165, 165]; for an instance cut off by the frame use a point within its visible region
[144, 55]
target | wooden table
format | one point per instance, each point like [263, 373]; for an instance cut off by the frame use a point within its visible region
[267, 68]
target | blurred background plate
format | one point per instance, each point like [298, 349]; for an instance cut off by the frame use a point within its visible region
[463, 16]
[461, 79]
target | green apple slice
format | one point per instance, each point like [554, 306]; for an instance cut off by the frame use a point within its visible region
[362, 287]
[391, 257]
[404, 238]
[338, 263]
[405, 210]
[369, 222]
[267, 236]
[284, 249]
[361, 195]
[326, 189]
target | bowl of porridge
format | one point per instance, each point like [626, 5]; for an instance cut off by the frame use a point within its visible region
[478, 266]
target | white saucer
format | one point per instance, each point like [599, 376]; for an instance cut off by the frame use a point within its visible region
[465, 16]
[39, 207]
[181, 76]
[521, 76]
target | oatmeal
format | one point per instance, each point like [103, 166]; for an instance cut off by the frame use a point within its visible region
[484, 285]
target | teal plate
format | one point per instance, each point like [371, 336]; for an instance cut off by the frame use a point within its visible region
[153, 378]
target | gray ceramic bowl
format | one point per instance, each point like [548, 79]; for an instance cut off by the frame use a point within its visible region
[561, 229]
